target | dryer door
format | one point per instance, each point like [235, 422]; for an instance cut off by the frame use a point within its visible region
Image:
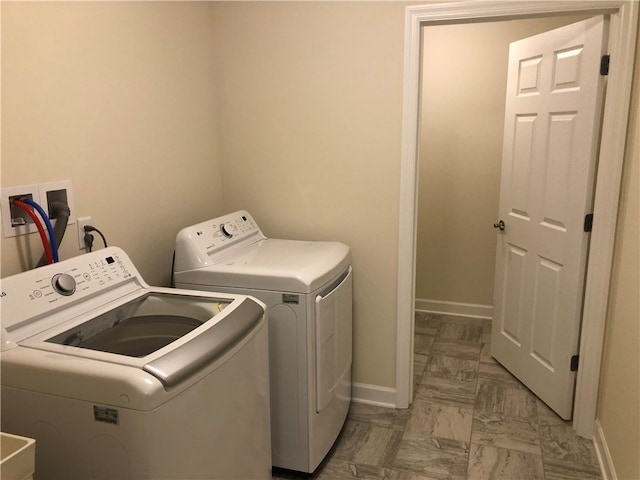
[334, 341]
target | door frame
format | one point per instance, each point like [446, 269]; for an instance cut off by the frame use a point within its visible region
[621, 46]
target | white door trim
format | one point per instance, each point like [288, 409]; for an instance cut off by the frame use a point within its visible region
[622, 39]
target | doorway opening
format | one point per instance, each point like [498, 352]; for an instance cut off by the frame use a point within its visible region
[460, 148]
[621, 47]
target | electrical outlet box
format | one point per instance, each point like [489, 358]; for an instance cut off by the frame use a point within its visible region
[57, 191]
[16, 221]
[82, 221]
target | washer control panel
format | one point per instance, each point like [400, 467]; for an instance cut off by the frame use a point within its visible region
[36, 292]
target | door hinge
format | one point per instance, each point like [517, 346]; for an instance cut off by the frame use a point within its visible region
[604, 64]
[588, 222]
[574, 363]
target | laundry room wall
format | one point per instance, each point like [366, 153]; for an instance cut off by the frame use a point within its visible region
[463, 84]
[311, 96]
[119, 98]
[619, 396]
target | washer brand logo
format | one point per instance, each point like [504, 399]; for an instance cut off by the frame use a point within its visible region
[3, 294]
[106, 415]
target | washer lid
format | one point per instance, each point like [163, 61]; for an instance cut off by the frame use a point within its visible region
[274, 264]
[170, 334]
[142, 326]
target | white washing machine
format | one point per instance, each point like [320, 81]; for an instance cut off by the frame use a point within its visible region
[116, 379]
[307, 288]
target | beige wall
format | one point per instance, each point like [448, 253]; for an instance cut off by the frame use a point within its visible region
[310, 123]
[164, 114]
[619, 398]
[464, 84]
[118, 98]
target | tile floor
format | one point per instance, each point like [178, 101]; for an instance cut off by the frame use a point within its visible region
[470, 419]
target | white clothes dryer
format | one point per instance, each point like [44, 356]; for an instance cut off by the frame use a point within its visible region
[307, 289]
[116, 379]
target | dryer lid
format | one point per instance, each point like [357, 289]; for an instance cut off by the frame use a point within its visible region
[276, 265]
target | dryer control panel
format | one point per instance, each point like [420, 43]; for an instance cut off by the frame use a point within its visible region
[205, 243]
[235, 226]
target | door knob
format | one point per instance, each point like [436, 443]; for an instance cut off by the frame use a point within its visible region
[500, 225]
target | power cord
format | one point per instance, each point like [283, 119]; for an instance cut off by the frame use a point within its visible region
[88, 237]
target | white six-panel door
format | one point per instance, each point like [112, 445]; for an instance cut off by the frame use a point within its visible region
[552, 122]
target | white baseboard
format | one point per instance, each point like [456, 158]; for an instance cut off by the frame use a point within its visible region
[602, 452]
[373, 395]
[455, 308]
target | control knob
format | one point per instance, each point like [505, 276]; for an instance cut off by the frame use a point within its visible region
[64, 284]
[228, 229]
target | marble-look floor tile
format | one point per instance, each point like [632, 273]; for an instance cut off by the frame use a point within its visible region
[422, 344]
[456, 348]
[492, 463]
[402, 475]
[440, 420]
[437, 458]
[561, 442]
[341, 470]
[513, 434]
[451, 368]
[508, 401]
[419, 363]
[561, 470]
[337, 469]
[449, 392]
[496, 373]
[384, 417]
[549, 416]
[485, 354]
[427, 323]
[461, 329]
[367, 444]
[486, 330]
